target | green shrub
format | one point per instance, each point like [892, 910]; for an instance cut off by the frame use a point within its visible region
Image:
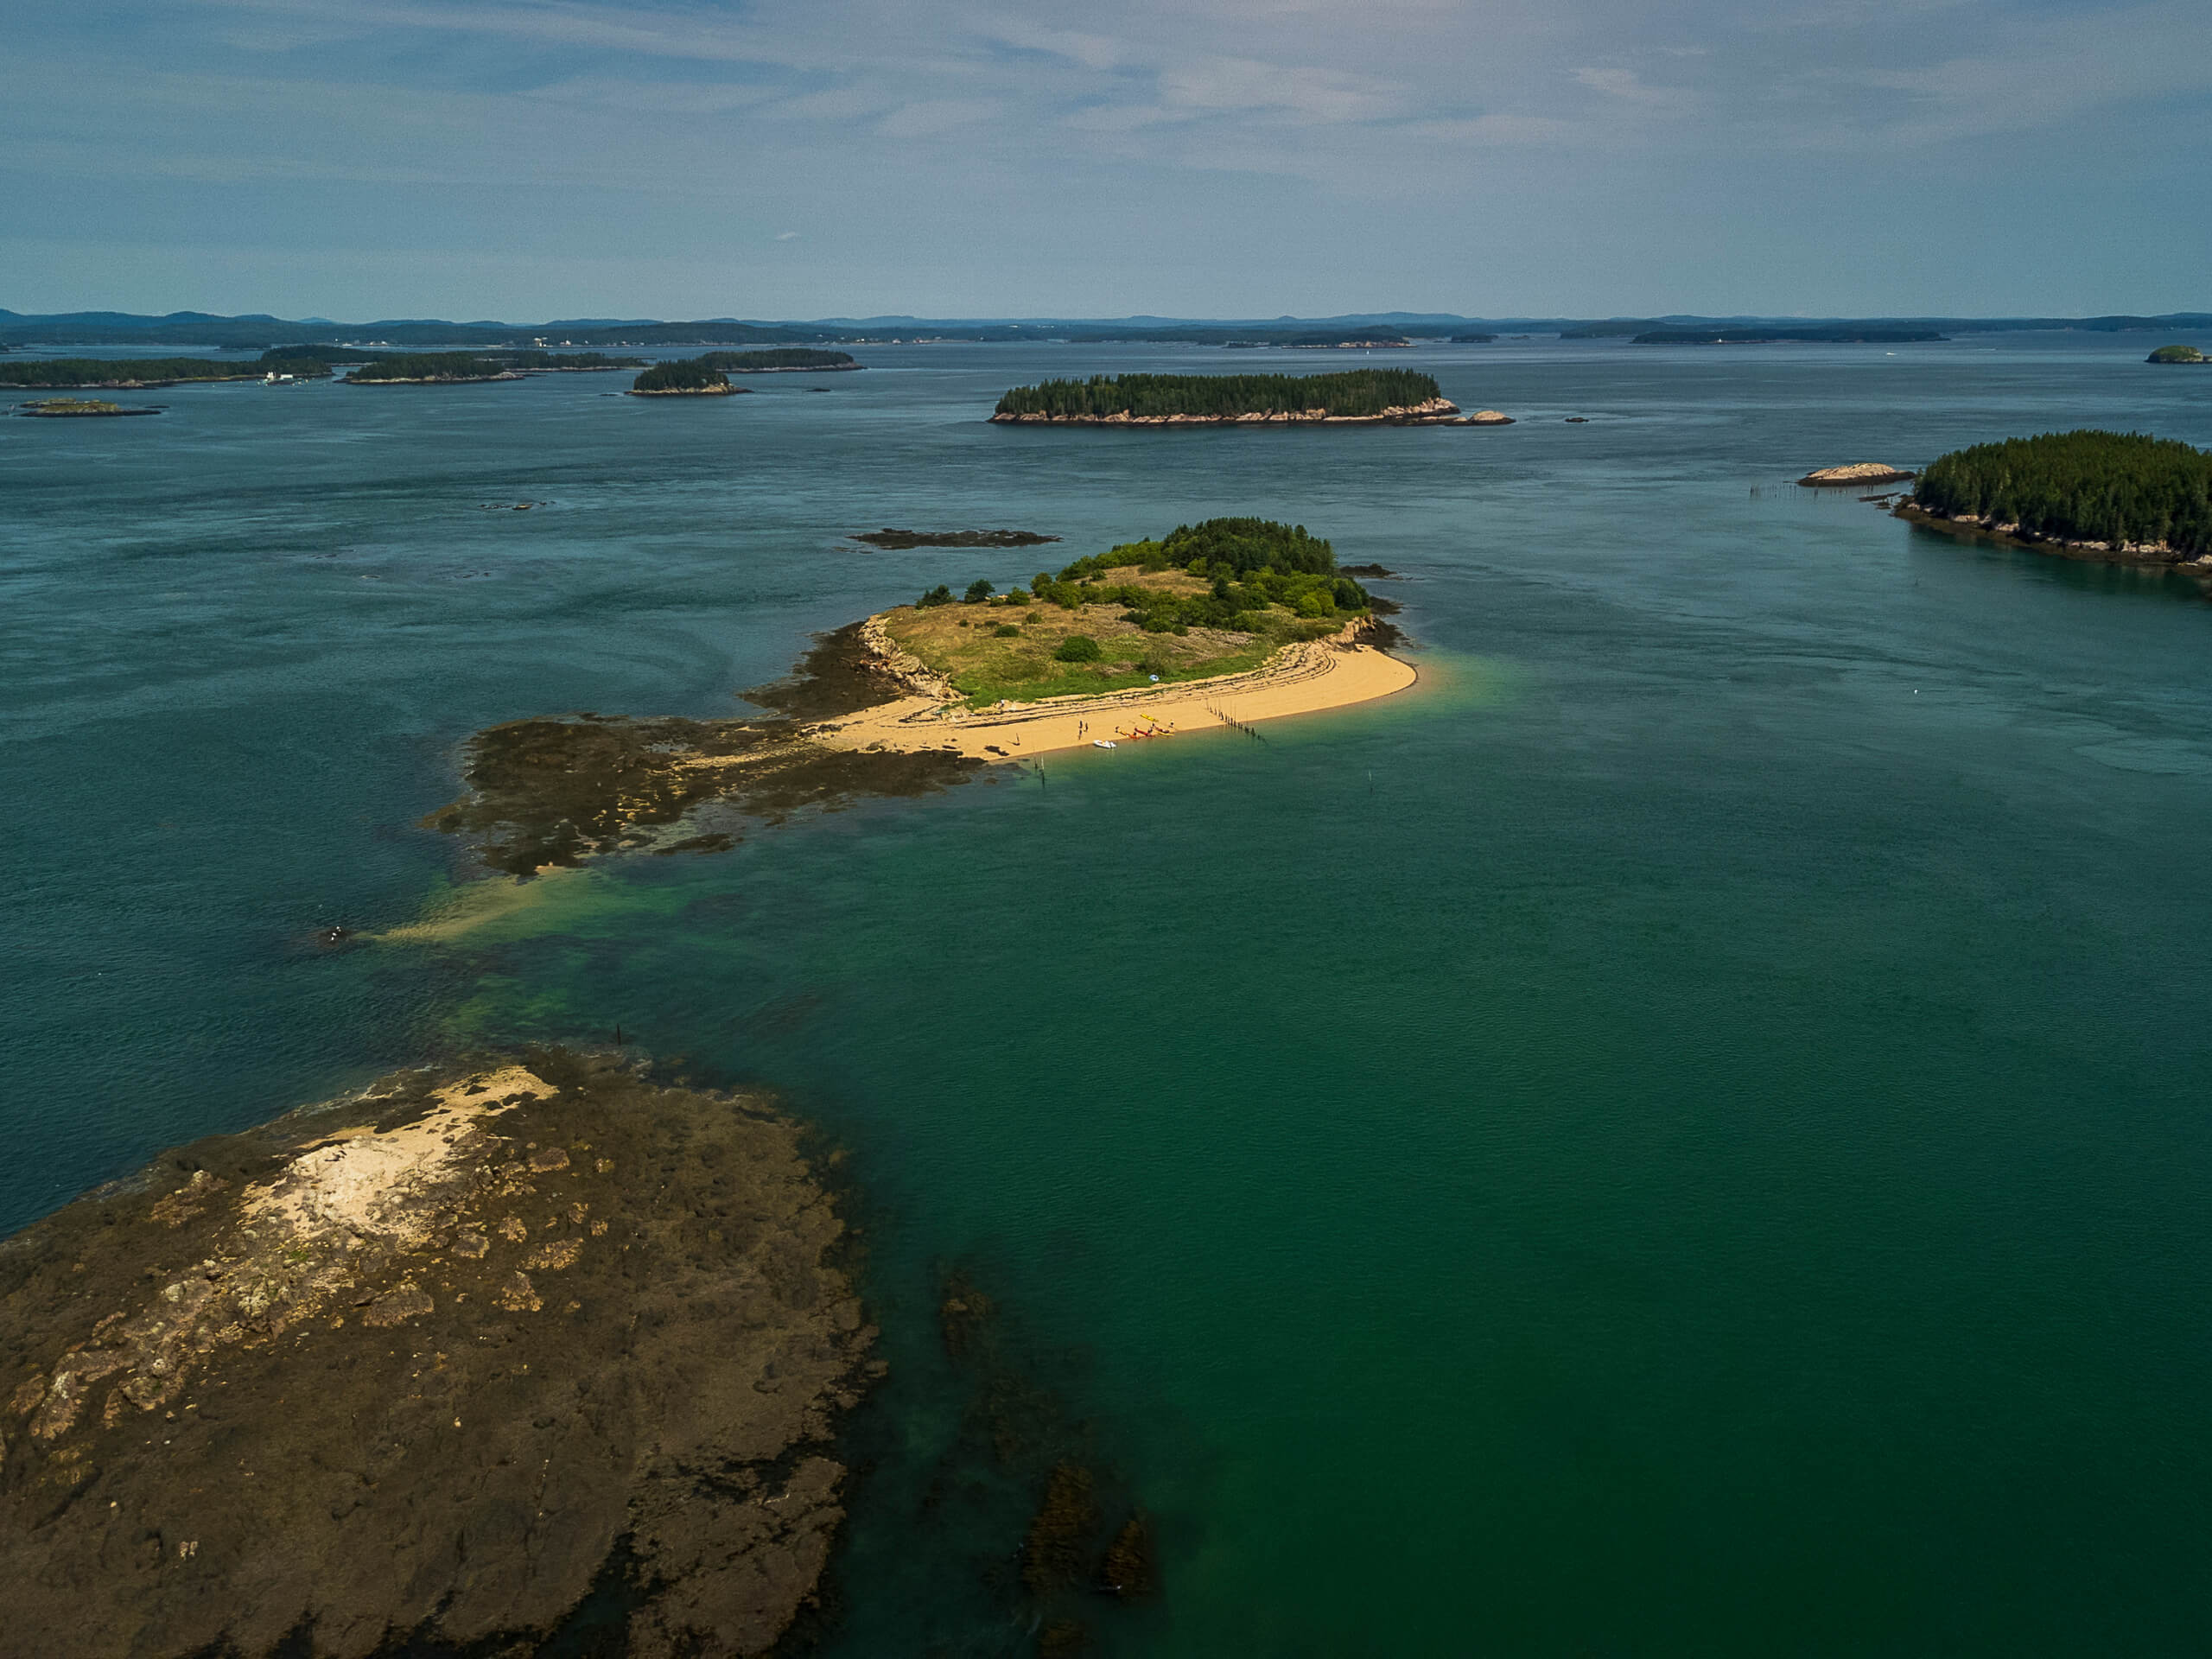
[1006, 631]
[1078, 648]
[939, 594]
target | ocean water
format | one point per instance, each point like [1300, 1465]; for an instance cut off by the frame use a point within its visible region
[1685, 1134]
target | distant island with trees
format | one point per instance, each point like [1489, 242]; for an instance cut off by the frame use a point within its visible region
[782, 359]
[1383, 396]
[135, 373]
[2123, 496]
[2177, 354]
[433, 369]
[691, 377]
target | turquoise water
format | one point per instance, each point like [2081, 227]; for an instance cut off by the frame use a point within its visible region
[1685, 1134]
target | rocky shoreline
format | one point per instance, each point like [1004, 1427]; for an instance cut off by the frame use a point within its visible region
[431, 1367]
[2155, 555]
[557, 790]
[1436, 411]
[690, 391]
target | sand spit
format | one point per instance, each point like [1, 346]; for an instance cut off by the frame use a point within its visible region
[1331, 673]
[422, 1369]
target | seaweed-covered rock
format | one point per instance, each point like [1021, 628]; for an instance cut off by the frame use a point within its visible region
[428, 1365]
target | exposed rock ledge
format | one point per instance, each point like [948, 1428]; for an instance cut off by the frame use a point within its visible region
[1860, 471]
[1435, 412]
[692, 391]
[421, 1369]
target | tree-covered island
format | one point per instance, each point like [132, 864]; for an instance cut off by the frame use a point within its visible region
[2177, 354]
[692, 376]
[1208, 599]
[134, 374]
[432, 369]
[2117, 495]
[1381, 396]
[782, 359]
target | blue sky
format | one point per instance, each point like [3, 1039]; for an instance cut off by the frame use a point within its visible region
[525, 159]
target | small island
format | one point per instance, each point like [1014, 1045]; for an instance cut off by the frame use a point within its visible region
[1217, 626]
[2122, 497]
[1369, 396]
[79, 408]
[903, 540]
[432, 369]
[2177, 354]
[683, 377]
[1858, 473]
[781, 360]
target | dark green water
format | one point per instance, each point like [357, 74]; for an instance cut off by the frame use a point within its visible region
[1685, 1134]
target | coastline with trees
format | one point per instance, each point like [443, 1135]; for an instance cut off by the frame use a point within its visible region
[692, 376]
[1375, 397]
[2124, 496]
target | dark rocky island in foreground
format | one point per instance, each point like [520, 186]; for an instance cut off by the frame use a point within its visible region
[2177, 354]
[423, 1368]
[1371, 396]
[2121, 497]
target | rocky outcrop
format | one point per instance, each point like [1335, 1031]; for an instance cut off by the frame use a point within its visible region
[426, 1367]
[1860, 472]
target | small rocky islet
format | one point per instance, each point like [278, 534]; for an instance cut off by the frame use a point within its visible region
[429, 1369]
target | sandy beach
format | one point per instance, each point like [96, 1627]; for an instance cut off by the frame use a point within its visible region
[1302, 679]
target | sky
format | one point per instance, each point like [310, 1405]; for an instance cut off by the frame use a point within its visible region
[534, 159]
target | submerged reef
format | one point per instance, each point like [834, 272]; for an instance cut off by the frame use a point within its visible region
[443, 1367]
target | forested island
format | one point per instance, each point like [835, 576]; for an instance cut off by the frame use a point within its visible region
[783, 359]
[2120, 495]
[2177, 354]
[432, 369]
[691, 377]
[1394, 396]
[135, 373]
[1207, 599]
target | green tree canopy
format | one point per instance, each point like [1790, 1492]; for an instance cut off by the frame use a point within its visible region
[2084, 485]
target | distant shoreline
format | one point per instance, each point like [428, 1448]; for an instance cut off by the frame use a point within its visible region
[1436, 411]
